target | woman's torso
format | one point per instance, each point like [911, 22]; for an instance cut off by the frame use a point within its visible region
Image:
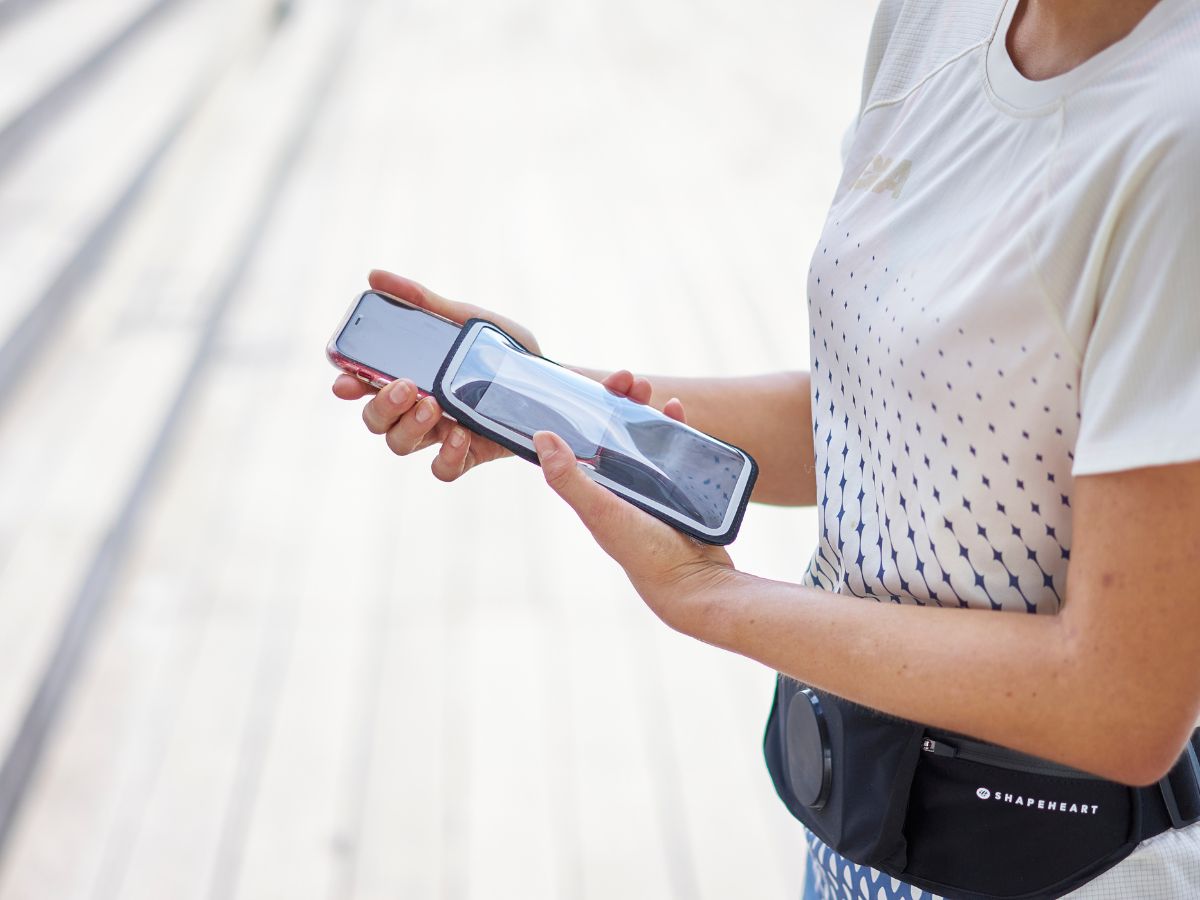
[952, 298]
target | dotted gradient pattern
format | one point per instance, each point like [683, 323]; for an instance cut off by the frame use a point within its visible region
[943, 452]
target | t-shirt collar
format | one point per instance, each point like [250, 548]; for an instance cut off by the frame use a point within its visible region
[1022, 94]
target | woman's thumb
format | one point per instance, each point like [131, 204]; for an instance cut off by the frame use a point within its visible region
[566, 478]
[556, 459]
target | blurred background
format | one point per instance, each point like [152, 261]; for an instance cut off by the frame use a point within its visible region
[245, 652]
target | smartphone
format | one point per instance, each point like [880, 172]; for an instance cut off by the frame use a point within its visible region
[383, 338]
[497, 388]
[486, 380]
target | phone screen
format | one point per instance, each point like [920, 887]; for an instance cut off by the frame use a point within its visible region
[397, 340]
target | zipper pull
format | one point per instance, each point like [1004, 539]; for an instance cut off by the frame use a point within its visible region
[938, 749]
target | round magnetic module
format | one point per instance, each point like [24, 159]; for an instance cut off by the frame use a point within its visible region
[809, 760]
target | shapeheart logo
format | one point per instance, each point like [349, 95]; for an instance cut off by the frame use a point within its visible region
[1083, 809]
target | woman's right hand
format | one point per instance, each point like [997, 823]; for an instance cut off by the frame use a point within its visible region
[411, 423]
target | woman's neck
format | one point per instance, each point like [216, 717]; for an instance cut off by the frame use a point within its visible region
[1050, 37]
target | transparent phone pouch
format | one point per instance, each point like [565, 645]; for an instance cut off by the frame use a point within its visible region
[495, 387]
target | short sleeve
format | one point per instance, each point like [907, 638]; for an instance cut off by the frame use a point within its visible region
[1140, 382]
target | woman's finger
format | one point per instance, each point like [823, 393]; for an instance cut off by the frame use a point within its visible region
[382, 413]
[619, 382]
[451, 459]
[347, 387]
[411, 431]
[626, 384]
[640, 391]
[674, 409]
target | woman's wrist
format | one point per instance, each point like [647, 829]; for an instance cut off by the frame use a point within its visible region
[707, 603]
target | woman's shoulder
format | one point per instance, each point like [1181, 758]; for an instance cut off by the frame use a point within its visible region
[1152, 91]
[1175, 59]
[911, 39]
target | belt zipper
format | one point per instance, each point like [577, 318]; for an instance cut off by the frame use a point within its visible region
[1002, 759]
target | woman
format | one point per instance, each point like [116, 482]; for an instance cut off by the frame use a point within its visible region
[1003, 416]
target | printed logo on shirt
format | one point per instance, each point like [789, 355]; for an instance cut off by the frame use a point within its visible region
[1083, 809]
[881, 176]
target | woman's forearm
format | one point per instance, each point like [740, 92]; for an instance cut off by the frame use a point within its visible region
[973, 671]
[769, 416]
[1032, 683]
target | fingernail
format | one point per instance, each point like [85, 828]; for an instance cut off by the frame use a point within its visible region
[457, 437]
[544, 446]
[399, 392]
[425, 411]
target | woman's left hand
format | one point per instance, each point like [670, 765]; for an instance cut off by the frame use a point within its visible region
[676, 576]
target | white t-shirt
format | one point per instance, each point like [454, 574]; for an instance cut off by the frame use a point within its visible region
[1006, 295]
